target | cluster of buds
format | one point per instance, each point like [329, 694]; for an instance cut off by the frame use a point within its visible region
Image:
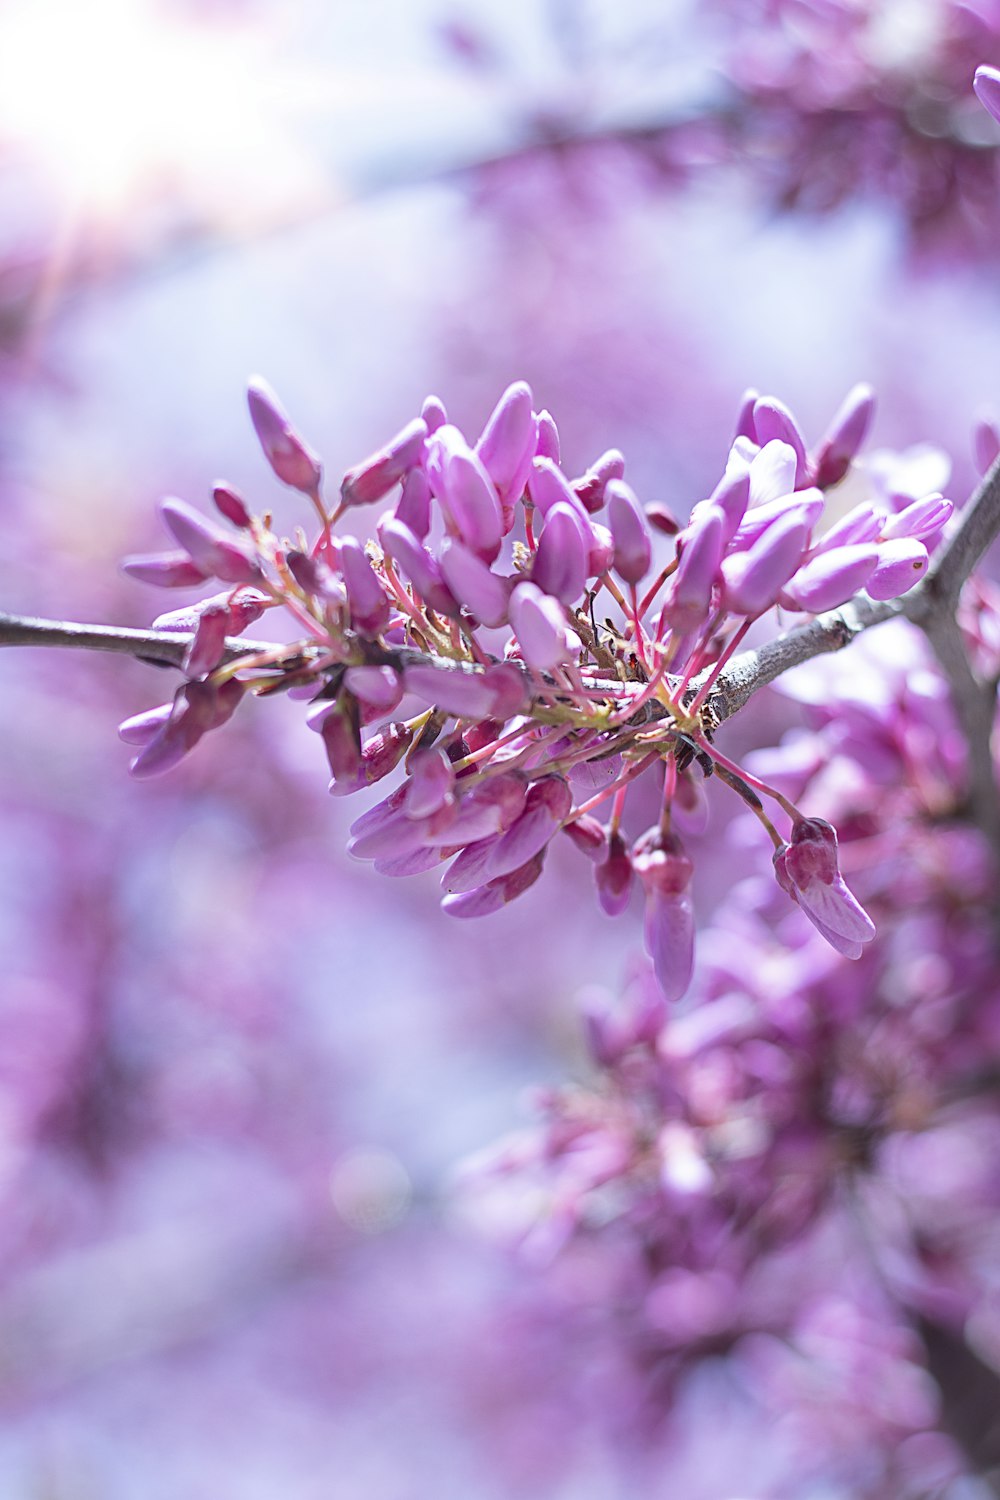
[464, 640]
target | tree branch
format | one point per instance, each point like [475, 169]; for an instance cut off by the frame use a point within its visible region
[931, 606]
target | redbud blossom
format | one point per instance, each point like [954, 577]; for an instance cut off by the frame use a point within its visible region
[507, 445]
[546, 640]
[613, 877]
[862, 524]
[844, 437]
[590, 487]
[665, 872]
[559, 566]
[215, 553]
[365, 594]
[242, 608]
[470, 580]
[231, 504]
[167, 570]
[413, 508]
[922, 519]
[808, 869]
[773, 422]
[772, 472]
[378, 687]
[463, 693]
[417, 565]
[500, 892]
[691, 587]
[372, 479]
[901, 564]
[547, 441]
[753, 579]
[807, 505]
[292, 460]
[430, 783]
[630, 530]
[208, 644]
[832, 577]
[987, 86]
[433, 413]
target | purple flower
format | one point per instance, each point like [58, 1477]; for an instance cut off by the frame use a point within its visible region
[774, 423]
[613, 877]
[292, 460]
[844, 437]
[901, 564]
[665, 872]
[690, 593]
[559, 566]
[167, 570]
[376, 476]
[809, 871]
[590, 487]
[545, 639]
[422, 570]
[483, 900]
[468, 497]
[507, 445]
[229, 503]
[630, 530]
[365, 593]
[464, 693]
[211, 549]
[832, 577]
[198, 707]
[470, 580]
[753, 579]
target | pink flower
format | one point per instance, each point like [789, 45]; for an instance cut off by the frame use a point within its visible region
[808, 870]
[291, 458]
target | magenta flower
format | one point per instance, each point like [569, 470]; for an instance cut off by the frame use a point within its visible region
[545, 639]
[809, 871]
[665, 873]
[590, 487]
[844, 437]
[630, 530]
[291, 458]
[832, 577]
[215, 553]
[507, 445]
[560, 563]
[372, 479]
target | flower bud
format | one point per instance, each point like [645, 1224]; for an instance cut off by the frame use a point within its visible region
[292, 460]
[215, 553]
[590, 487]
[832, 577]
[559, 566]
[630, 530]
[773, 422]
[372, 479]
[843, 439]
[470, 580]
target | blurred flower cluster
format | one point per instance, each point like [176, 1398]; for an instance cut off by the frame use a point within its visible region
[800, 1166]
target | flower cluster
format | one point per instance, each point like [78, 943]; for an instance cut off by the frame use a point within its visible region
[799, 1165]
[465, 641]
